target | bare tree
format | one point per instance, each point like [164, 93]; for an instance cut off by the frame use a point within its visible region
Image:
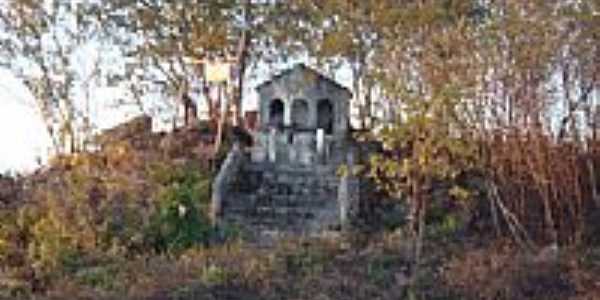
[40, 44]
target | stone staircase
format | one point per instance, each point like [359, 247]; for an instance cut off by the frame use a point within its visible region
[265, 199]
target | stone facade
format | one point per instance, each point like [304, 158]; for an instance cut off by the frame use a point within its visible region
[286, 182]
[304, 119]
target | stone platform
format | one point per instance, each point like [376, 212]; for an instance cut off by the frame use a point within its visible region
[266, 199]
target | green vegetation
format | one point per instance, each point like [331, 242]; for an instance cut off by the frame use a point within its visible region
[180, 220]
[486, 186]
[92, 215]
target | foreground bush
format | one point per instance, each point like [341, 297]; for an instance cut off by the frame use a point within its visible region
[83, 213]
[180, 220]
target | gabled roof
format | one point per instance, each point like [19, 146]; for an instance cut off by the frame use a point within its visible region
[303, 68]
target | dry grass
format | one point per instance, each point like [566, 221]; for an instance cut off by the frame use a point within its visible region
[501, 271]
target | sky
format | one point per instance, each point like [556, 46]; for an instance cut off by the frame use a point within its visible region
[23, 138]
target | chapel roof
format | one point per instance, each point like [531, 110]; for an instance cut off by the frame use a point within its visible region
[286, 74]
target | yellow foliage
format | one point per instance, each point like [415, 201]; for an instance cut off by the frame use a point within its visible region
[121, 156]
[58, 161]
[459, 193]
[50, 242]
[3, 248]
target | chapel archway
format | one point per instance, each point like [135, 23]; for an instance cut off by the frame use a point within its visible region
[325, 115]
[276, 110]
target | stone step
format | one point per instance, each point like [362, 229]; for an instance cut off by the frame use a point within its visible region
[270, 211]
[290, 169]
[250, 201]
[257, 177]
[281, 224]
[301, 192]
[282, 199]
[302, 188]
[289, 177]
[282, 220]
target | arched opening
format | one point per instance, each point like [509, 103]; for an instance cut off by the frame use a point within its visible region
[276, 113]
[325, 115]
[300, 113]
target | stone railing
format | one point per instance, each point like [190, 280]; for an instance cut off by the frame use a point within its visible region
[348, 195]
[222, 184]
[305, 148]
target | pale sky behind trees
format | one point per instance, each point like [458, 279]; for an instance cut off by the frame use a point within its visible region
[23, 137]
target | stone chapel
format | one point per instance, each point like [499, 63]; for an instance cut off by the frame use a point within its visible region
[287, 181]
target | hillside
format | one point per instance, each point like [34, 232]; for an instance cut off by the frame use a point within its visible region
[399, 150]
[130, 221]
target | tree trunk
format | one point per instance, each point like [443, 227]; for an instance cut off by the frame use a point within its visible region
[417, 226]
[593, 183]
[242, 55]
[223, 110]
[369, 103]
[241, 59]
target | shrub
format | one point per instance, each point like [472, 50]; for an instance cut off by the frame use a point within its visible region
[180, 220]
[87, 212]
